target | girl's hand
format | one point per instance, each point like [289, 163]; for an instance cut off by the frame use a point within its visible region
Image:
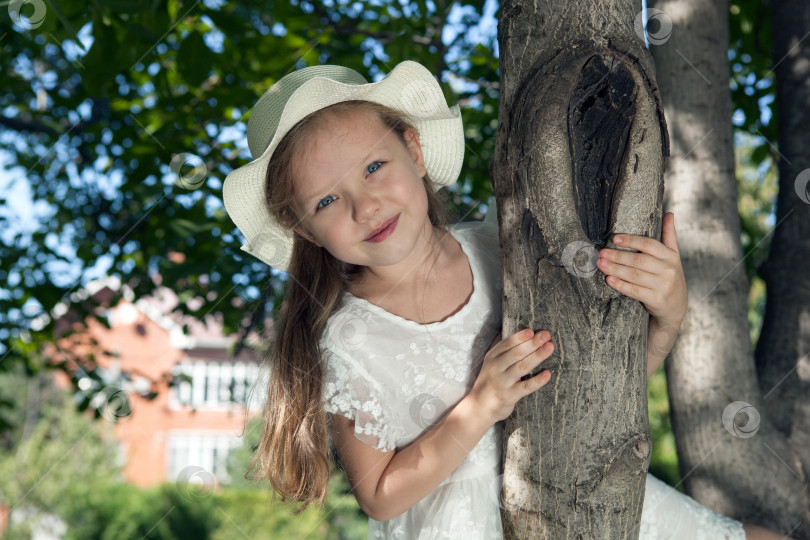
[498, 385]
[654, 276]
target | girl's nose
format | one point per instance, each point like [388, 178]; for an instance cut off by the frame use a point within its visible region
[366, 206]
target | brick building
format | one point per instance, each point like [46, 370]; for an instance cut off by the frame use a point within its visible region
[193, 422]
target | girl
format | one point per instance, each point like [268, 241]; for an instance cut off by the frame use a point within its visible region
[388, 337]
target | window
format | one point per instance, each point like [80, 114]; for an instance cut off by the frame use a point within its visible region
[208, 451]
[216, 385]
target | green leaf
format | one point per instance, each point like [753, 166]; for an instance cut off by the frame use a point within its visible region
[760, 153]
[100, 62]
[194, 59]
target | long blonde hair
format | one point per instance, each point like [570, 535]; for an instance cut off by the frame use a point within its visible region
[294, 450]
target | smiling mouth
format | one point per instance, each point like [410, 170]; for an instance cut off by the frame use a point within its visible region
[385, 231]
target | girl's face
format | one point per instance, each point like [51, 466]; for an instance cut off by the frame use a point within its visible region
[353, 175]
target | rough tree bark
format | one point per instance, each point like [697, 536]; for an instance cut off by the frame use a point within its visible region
[579, 157]
[783, 349]
[732, 457]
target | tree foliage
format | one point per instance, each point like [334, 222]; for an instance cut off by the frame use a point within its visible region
[52, 446]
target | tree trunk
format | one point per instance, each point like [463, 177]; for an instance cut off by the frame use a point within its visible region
[783, 350]
[741, 466]
[579, 157]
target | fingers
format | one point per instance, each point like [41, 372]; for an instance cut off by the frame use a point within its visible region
[661, 250]
[512, 341]
[629, 274]
[644, 244]
[500, 381]
[668, 236]
[538, 381]
[642, 261]
[636, 292]
[518, 346]
[653, 275]
[524, 349]
[527, 363]
[519, 354]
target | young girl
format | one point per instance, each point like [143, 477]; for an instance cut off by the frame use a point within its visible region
[388, 337]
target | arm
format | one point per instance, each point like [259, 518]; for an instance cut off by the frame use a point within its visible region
[660, 338]
[386, 484]
[398, 480]
[424, 464]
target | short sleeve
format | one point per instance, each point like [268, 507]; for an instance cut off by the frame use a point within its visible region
[350, 393]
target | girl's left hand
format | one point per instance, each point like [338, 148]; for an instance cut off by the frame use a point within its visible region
[654, 276]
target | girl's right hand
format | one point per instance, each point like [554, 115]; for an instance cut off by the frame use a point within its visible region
[498, 386]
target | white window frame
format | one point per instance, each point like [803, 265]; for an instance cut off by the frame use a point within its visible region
[209, 388]
[208, 450]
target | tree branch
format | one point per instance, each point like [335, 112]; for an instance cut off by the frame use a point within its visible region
[382, 37]
[32, 126]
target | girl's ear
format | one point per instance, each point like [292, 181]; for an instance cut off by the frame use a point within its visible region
[288, 221]
[415, 148]
[306, 234]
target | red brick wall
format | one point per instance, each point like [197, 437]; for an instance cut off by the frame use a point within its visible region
[145, 348]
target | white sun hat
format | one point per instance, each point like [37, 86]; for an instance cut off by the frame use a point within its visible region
[409, 88]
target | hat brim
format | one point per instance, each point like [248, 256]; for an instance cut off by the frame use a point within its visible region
[409, 88]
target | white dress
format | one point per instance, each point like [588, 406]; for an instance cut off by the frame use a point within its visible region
[394, 377]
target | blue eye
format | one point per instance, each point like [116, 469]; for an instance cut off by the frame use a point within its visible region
[373, 167]
[325, 198]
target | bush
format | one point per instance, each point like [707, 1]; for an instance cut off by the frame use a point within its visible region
[246, 506]
[248, 512]
[164, 513]
[117, 511]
